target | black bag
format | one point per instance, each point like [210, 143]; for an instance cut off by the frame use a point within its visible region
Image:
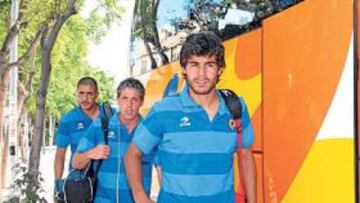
[82, 189]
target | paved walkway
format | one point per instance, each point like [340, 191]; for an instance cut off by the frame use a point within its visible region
[47, 172]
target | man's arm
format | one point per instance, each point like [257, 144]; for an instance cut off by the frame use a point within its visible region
[81, 160]
[59, 162]
[133, 167]
[248, 165]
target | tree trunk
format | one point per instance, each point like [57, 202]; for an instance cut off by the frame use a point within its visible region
[48, 41]
[146, 40]
[5, 68]
[4, 159]
[22, 135]
[34, 159]
[156, 41]
[23, 97]
[4, 85]
[4, 139]
[149, 53]
[24, 93]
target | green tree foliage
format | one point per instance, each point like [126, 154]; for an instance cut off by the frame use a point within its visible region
[100, 19]
[69, 65]
[50, 20]
[5, 16]
[205, 14]
[145, 27]
[68, 56]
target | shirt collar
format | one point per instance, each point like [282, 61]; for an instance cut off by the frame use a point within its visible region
[223, 108]
[187, 101]
[83, 115]
[115, 119]
[101, 112]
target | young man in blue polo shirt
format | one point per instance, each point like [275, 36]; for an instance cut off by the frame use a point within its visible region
[195, 141]
[73, 125]
[112, 181]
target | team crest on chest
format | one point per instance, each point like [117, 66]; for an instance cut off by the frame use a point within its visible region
[184, 122]
[80, 126]
[111, 134]
[231, 124]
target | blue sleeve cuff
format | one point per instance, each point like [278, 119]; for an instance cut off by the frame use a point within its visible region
[144, 140]
[62, 140]
[59, 185]
[247, 128]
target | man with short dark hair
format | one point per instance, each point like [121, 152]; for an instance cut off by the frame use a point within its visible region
[194, 133]
[112, 183]
[73, 125]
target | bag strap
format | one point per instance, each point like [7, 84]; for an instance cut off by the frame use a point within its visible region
[108, 112]
[105, 119]
[233, 103]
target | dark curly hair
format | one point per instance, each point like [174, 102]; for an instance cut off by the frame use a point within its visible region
[201, 44]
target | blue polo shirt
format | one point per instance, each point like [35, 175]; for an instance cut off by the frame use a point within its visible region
[72, 127]
[196, 154]
[112, 181]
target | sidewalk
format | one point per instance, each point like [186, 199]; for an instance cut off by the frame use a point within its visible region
[46, 168]
[47, 172]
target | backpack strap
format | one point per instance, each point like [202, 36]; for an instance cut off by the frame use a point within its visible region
[232, 102]
[105, 119]
[108, 112]
[234, 105]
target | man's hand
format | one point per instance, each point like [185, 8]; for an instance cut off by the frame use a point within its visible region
[142, 198]
[81, 160]
[99, 152]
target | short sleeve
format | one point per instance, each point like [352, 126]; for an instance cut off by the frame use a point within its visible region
[63, 134]
[247, 127]
[149, 132]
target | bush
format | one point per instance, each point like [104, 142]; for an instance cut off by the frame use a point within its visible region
[24, 189]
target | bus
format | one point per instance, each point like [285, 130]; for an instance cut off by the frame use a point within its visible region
[294, 63]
